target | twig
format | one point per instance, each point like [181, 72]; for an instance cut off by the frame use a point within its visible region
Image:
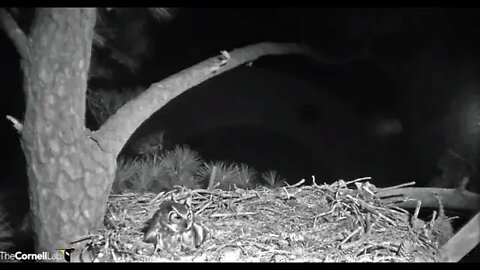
[364, 237]
[206, 191]
[81, 239]
[156, 197]
[18, 37]
[297, 184]
[380, 215]
[417, 209]
[350, 236]
[400, 209]
[397, 186]
[357, 214]
[212, 178]
[441, 210]
[364, 204]
[203, 208]
[16, 124]
[123, 195]
[233, 214]
[415, 222]
[216, 193]
[271, 210]
[114, 256]
[432, 220]
[245, 198]
[326, 213]
[314, 182]
[358, 180]
[288, 194]
[371, 225]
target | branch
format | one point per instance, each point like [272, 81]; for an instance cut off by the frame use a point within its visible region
[462, 242]
[115, 132]
[16, 124]
[453, 199]
[10, 27]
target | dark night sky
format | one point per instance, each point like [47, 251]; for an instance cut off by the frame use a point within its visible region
[427, 57]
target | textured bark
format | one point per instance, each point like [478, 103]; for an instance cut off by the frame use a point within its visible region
[9, 26]
[70, 169]
[69, 175]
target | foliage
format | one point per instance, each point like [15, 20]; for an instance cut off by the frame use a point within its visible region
[103, 103]
[134, 175]
[158, 172]
[273, 178]
[149, 144]
[123, 40]
[121, 47]
[246, 175]
[228, 176]
[180, 166]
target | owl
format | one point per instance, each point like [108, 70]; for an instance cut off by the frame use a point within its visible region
[172, 228]
[194, 238]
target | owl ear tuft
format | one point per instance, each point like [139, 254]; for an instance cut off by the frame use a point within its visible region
[188, 201]
[172, 198]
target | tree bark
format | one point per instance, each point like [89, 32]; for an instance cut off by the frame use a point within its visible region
[70, 169]
[69, 175]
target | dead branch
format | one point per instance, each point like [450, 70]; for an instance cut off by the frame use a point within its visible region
[212, 178]
[454, 199]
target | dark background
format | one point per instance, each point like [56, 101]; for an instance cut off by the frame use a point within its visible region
[287, 112]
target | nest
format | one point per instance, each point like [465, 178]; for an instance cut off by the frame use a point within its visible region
[340, 222]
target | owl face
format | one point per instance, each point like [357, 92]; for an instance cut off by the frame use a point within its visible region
[172, 228]
[179, 217]
[171, 219]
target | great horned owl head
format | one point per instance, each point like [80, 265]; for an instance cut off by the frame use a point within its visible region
[172, 217]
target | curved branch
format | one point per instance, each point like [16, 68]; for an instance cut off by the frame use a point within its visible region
[115, 132]
[18, 37]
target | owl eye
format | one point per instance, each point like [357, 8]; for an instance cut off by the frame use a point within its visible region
[174, 217]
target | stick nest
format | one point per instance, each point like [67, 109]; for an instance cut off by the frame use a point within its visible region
[318, 223]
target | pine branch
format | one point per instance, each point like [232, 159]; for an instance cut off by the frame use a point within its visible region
[162, 14]
[119, 127]
[11, 28]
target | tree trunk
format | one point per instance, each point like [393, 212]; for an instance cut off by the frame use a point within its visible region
[69, 175]
[70, 169]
